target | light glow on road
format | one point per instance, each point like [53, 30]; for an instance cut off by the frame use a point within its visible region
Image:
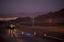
[11, 32]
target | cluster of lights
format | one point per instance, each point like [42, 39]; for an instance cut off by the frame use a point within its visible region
[9, 18]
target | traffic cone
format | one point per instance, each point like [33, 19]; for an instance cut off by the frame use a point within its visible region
[34, 33]
[45, 34]
[22, 32]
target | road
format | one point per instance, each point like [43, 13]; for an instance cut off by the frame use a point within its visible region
[18, 37]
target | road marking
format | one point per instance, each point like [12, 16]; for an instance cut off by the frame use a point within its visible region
[55, 38]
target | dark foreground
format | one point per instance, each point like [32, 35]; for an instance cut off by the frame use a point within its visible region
[5, 37]
[37, 39]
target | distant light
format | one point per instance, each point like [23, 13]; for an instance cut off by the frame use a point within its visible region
[13, 18]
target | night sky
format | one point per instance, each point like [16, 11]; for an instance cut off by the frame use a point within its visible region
[12, 8]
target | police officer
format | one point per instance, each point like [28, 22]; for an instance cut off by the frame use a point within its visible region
[12, 27]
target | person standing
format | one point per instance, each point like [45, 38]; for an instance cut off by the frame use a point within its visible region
[12, 27]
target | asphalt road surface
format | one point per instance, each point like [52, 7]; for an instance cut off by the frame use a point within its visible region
[18, 37]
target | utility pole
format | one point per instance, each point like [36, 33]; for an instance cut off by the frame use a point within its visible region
[49, 22]
[33, 22]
